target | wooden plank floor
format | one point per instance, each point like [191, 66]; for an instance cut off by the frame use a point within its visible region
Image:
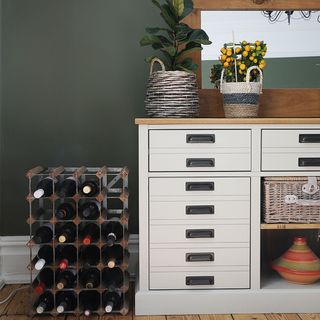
[17, 309]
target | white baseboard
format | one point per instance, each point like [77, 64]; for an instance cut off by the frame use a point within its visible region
[15, 256]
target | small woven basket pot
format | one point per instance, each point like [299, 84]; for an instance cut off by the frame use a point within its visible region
[172, 94]
[241, 99]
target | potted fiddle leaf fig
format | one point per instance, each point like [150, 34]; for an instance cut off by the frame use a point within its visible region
[177, 39]
[172, 92]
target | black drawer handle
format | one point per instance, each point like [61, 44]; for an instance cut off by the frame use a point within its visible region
[199, 281]
[309, 138]
[309, 162]
[200, 138]
[199, 162]
[199, 186]
[197, 257]
[199, 233]
[199, 209]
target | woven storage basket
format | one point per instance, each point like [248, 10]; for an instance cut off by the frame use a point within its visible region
[287, 199]
[171, 93]
[241, 99]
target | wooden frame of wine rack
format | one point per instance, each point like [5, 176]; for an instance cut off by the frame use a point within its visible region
[113, 184]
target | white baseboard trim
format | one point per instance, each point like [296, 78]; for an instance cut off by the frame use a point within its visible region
[15, 256]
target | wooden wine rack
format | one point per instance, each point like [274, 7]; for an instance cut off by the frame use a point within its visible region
[113, 198]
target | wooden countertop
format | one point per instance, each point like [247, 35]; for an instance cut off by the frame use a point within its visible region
[173, 121]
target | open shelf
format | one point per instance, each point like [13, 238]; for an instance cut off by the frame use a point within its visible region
[287, 226]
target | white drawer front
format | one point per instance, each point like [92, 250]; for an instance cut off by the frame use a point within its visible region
[199, 150]
[206, 233]
[200, 162]
[195, 258]
[199, 210]
[301, 139]
[194, 188]
[290, 150]
[219, 280]
[191, 139]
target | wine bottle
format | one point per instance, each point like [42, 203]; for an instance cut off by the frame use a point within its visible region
[66, 301]
[89, 255]
[44, 303]
[89, 278]
[112, 232]
[45, 187]
[43, 257]
[66, 256]
[65, 211]
[43, 281]
[67, 233]
[113, 278]
[43, 234]
[89, 210]
[89, 188]
[114, 256]
[111, 301]
[89, 301]
[68, 187]
[66, 278]
[89, 233]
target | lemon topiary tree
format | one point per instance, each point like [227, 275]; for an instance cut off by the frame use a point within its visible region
[177, 40]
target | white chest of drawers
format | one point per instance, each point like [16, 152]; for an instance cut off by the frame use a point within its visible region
[200, 213]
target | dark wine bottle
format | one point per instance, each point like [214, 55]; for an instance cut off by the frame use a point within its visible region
[89, 188]
[44, 303]
[68, 187]
[112, 232]
[89, 301]
[66, 256]
[66, 301]
[89, 233]
[89, 255]
[89, 278]
[89, 210]
[43, 257]
[113, 278]
[43, 281]
[43, 234]
[66, 278]
[67, 233]
[45, 187]
[114, 256]
[65, 211]
[111, 301]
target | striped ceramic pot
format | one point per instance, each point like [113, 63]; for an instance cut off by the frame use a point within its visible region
[298, 264]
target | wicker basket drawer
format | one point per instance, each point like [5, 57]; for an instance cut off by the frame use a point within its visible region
[199, 150]
[233, 279]
[193, 258]
[291, 199]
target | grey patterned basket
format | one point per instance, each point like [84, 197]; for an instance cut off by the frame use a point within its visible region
[287, 200]
[241, 99]
[171, 93]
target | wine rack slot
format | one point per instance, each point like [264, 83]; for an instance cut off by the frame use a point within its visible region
[78, 221]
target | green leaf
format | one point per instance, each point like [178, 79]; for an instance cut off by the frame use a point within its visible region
[190, 47]
[187, 65]
[170, 50]
[149, 40]
[178, 7]
[156, 30]
[199, 36]
[169, 16]
[188, 7]
[157, 4]
[182, 30]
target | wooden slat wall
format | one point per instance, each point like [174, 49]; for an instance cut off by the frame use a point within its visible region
[295, 102]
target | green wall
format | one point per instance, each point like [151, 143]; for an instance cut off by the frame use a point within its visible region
[73, 80]
[301, 72]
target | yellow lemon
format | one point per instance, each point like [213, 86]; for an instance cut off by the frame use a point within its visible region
[238, 50]
[242, 66]
[247, 48]
[263, 53]
[258, 48]
[223, 57]
[238, 63]
[258, 43]
[261, 66]
[229, 52]
[244, 78]
[263, 61]
[251, 58]
[255, 60]
[245, 53]
[226, 64]
[223, 50]
[240, 72]
[228, 59]
[244, 42]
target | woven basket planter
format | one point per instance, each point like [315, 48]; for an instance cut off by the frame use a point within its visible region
[172, 94]
[241, 99]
